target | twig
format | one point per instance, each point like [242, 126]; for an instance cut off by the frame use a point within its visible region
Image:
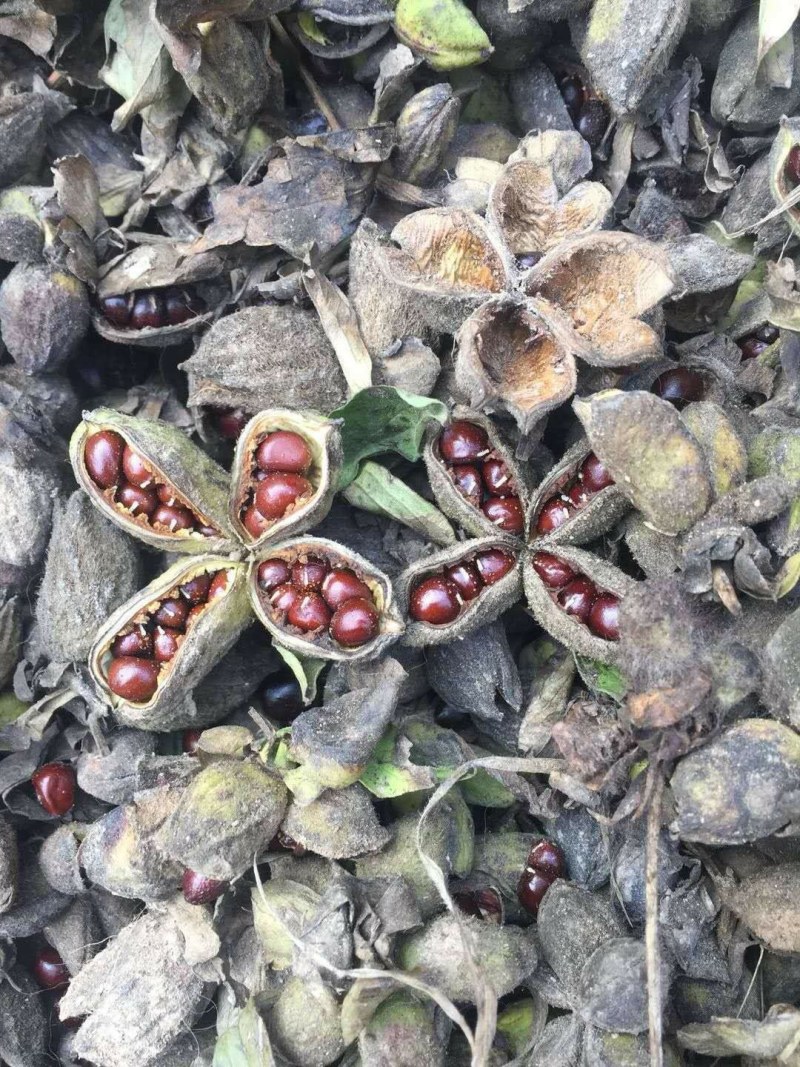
[652, 947]
[308, 78]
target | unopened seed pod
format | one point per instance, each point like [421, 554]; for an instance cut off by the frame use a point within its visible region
[44, 316]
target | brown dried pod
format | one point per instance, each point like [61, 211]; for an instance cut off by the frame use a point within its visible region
[724, 451]
[9, 864]
[44, 316]
[485, 601]
[10, 637]
[198, 487]
[318, 616]
[425, 128]
[592, 595]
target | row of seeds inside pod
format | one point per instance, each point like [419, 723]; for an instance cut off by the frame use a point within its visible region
[438, 599]
[142, 650]
[480, 476]
[113, 465]
[280, 480]
[151, 308]
[591, 479]
[578, 596]
[314, 596]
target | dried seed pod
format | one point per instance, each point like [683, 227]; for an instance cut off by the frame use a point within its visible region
[44, 316]
[25, 1037]
[613, 987]
[156, 688]
[318, 442]
[23, 131]
[58, 859]
[725, 454]
[303, 621]
[336, 39]
[570, 620]
[280, 907]
[9, 864]
[592, 504]
[402, 1031]
[28, 489]
[489, 601]
[339, 824]
[572, 924]
[21, 233]
[148, 324]
[425, 128]
[784, 175]
[300, 1000]
[113, 775]
[198, 521]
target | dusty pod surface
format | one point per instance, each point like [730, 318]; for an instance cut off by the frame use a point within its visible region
[319, 599]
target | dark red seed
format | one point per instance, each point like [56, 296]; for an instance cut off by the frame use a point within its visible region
[604, 617]
[137, 643]
[308, 612]
[133, 679]
[165, 643]
[576, 598]
[172, 613]
[592, 122]
[194, 614]
[117, 310]
[102, 455]
[135, 468]
[793, 165]
[531, 889]
[751, 347]
[467, 480]
[190, 740]
[166, 494]
[174, 517]
[283, 841]
[555, 512]
[196, 589]
[281, 697]
[284, 597]
[578, 495]
[553, 571]
[229, 422]
[254, 522]
[272, 573]
[482, 903]
[178, 306]
[137, 500]
[505, 512]
[497, 478]
[279, 492]
[435, 601]
[341, 584]
[284, 451]
[148, 311]
[465, 578]
[594, 474]
[494, 564]
[355, 623]
[547, 858]
[309, 575]
[49, 969]
[463, 442]
[679, 385]
[54, 785]
[197, 889]
[218, 587]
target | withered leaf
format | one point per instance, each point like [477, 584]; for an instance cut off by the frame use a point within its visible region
[659, 708]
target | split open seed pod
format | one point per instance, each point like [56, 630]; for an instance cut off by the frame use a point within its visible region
[324, 446]
[487, 605]
[336, 30]
[320, 643]
[196, 483]
[154, 689]
[785, 150]
[551, 614]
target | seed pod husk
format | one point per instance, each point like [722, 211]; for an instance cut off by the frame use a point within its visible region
[572, 923]
[58, 859]
[340, 41]
[9, 864]
[780, 182]
[425, 128]
[21, 233]
[151, 336]
[601, 511]
[322, 645]
[45, 406]
[28, 489]
[447, 34]
[613, 987]
[113, 775]
[725, 454]
[322, 437]
[25, 1034]
[44, 316]
[10, 637]
[23, 119]
[339, 824]
[552, 617]
[280, 907]
[226, 815]
[402, 1032]
[300, 1001]
[209, 637]
[487, 606]
[200, 484]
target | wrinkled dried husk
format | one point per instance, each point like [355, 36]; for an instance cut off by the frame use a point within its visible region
[21, 233]
[120, 851]
[10, 637]
[44, 316]
[36, 903]
[23, 118]
[323, 646]
[515, 357]
[725, 454]
[25, 1033]
[265, 357]
[322, 437]
[650, 454]
[45, 406]
[91, 569]
[299, 1002]
[490, 603]
[208, 639]
[505, 956]
[739, 787]
[448, 497]
[112, 775]
[603, 282]
[425, 128]
[613, 988]
[27, 493]
[572, 923]
[339, 824]
[781, 673]
[9, 864]
[780, 184]
[58, 859]
[225, 817]
[402, 1032]
[552, 617]
[478, 674]
[199, 481]
[766, 902]
[602, 511]
[657, 554]
[155, 267]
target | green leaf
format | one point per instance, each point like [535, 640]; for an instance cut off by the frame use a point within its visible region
[377, 490]
[445, 32]
[383, 419]
[246, 1043]
[305, 669]
[482, 789]
[602, 678]
[311, 28]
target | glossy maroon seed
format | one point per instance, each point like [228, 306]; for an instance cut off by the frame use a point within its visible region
[174, 517]
[190, 740]
[165, 643]
[355, 623]
[531, 889]
[197, 889]
[272, 573]
[284, 451]
[604, 617]
[555, 512]
[281, 697]
[467, 480]
[172, 613]
[576, 598]
[578, 495]
[309, 575]
[679, 385]
[594, 475]
[229, 422]
[102, 455]
[137, 643]
[196, 589]
[279, 492]
[133, 678]
[547, 858]
[49, 969]
[463, 442]
[166, 494]
[54, 785]
[493, 564]
[284, 597]
[341, 584]
[553, 571]
[177, 307]
[497, 478]
[793, 165]
[137, 500]
[254, 522]
[218, 587]
[308, 612]
[465, 578]
[434, 601]
[505, 512]
[135, 468]
[148, 311]
[117, 310]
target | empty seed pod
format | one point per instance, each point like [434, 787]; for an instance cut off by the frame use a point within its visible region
[329, 39]
[298, 1002]
[150, 479]
[157, 647]
[403, 1032]
[575, 596]
[284, 475]
[457, 590]
[329, 602]
[339, 824]
[44, 316]
[425, 128]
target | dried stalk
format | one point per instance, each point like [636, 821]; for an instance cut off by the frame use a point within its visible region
[652, 947]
